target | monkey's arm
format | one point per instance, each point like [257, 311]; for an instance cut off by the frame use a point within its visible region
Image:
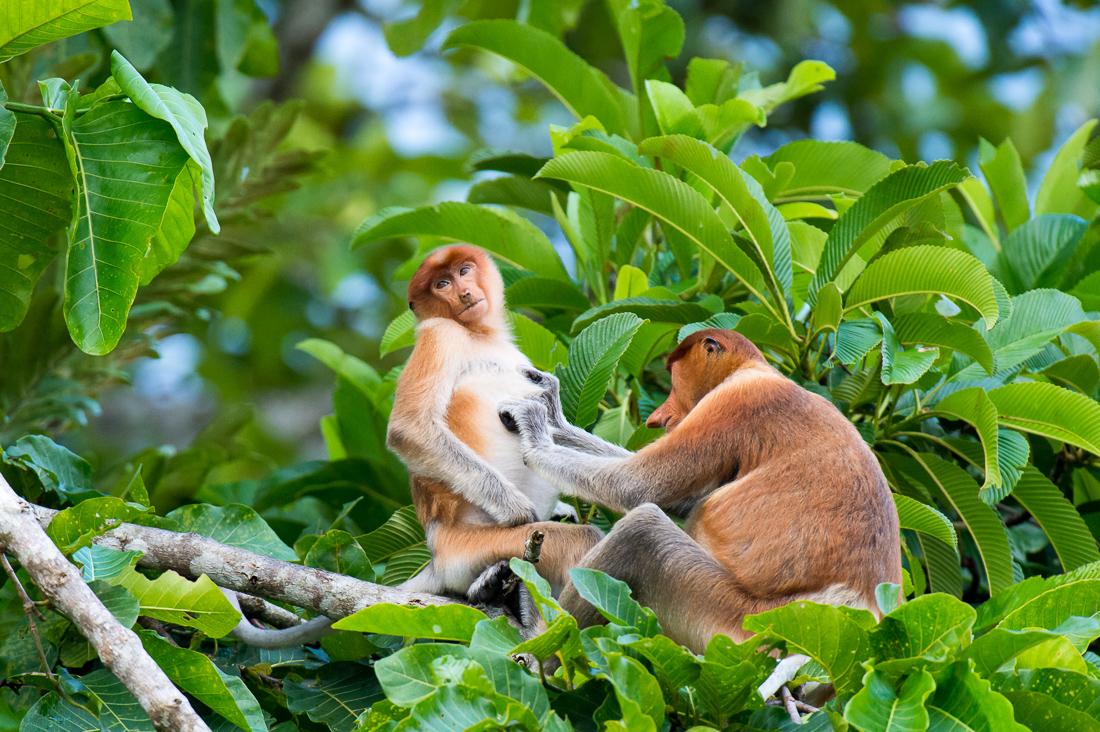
[561, 431]
[419, 433]
[672, 472]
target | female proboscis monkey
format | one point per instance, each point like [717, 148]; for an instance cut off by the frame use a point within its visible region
[783, 499]
[473, 494]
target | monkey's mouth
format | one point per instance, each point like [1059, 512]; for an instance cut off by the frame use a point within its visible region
[472, 305]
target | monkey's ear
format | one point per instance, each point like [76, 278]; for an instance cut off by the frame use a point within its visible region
[411, 306]
[712, 346]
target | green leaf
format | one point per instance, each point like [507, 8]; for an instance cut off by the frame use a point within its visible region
[58, 468]
[1059, 193]
[876, 209]
[1050, 411]
[671, 200]
[35, 204]
[964, 701]
[1035, 254]
[51, 713]
[1069, 536]
[830, 307]
[612, 598]
[197, 675]
[336, 697]
[406, 676]
[405, 564]
[638, 693]
[120, 601]
[543, 293]
[649, 308]
[855, 339]
[119, 711]
[174, 599]
[593, 357]
[650, 33]
[510, 237]
[763, 224]
[974, 407]
[674, 666]
[917, 516]
[514, 190]
[818, 169]
[990, 651]
[338, 551]
[119, 155]
[103, 563]
[1054, 604]
[726, 321]
[929, 329]
[805, 78]
[984, 524]
[180, 110]
[827, 634]
[879, 706]
[400, 333]
[926, 269]
[1005, 174]
[536, 342]
[27, 24]
[142, 39]
[177, 226]
[401, 531]
[581, 88]
[900, 366]
[75, 527]
[407, 36]
[1049, 698]
[232, 525]
[440, 622]
[929, 628]
[354, 370]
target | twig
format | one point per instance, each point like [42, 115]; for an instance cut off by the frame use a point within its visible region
[788, 702]
[782, 674]
[118, 647]
[159, 628]
[30, 608]
[258, 608]
[532, 548]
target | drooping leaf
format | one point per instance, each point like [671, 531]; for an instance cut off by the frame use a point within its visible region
[593, 357]
[507, 236]
[917, 516]
[974, 407]
[400, 333]
[880, 205]
[1050, 411]
[58, 468]
[177, 226]
[514, 190]
[440, 622]
[537, 342]
[929, 329]
[174, 599]
[1069, 536]
[27, 24]
[35, 196]
[197, 675]
[649, 308]
[581, 88]
[664, 196]
[119, 154]
[855, 339]
[925, 269]
[899, 365]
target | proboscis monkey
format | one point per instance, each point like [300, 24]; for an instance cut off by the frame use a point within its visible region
[783, 499]
[477, 501]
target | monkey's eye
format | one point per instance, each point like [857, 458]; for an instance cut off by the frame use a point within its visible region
[442, 284]
[711, 345]
[465, 269]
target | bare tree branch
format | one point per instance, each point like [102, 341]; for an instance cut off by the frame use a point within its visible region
[118, 647]
[30, 610]
[260, 609]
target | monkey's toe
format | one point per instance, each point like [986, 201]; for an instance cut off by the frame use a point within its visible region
[509, 421]
[489, 586]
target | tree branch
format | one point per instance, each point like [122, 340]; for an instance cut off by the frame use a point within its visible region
[118, 647]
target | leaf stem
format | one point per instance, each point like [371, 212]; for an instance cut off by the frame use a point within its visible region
[33, 109]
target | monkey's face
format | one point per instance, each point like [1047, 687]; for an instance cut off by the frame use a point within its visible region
[458, 286]
[701, 362]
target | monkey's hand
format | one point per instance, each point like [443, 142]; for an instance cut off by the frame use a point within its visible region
[529, 419]
[550, 395]
[510, 507]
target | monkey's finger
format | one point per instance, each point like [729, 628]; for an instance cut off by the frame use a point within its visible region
[509, 421]
[534, 376]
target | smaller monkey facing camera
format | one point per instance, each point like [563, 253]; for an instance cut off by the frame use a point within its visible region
[476, 499]
[783, 499]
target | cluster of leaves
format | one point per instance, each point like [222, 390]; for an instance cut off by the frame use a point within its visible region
[953, 320]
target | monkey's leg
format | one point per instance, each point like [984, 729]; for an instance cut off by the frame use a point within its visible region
[462, 551]
[693, 595]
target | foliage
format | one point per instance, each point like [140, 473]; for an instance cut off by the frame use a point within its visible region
[953, 319]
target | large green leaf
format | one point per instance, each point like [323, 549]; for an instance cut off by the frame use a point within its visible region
[974, 407]
[763, 224]
[1054, 699]
[612, 598]
[119, 710]
[336, 697]
[197, 675]
[929, 329]
[671, 200]
[537, 342]
[652, 309]
[1051, 411]
[1072, 541]
[400, 532]
[881, 707]
[926, 269]
[912, 514]
[26, 24]
[174, 599]
[827, 634]
[961, 492]
[964, 702]
[1059, 193]
[879, 206]
[35, 204]
[440, 622]
[581, 88]
[1036, 252]
[177, 226]
[593, 356]
[233, 525]
[817, 169]
[51, 713]
[901, 366]
[120, 155]
[929, 628]
[1005, 174]
[58, 468]
[508, 236]
[180, 110]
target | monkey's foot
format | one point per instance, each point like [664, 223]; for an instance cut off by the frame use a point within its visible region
[499, 585]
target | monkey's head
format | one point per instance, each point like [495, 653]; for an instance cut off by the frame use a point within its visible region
[700, 363]
[458, 282]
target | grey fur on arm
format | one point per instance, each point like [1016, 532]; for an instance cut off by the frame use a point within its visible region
[562, 432]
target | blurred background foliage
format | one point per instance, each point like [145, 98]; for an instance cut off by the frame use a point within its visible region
[217, 380]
